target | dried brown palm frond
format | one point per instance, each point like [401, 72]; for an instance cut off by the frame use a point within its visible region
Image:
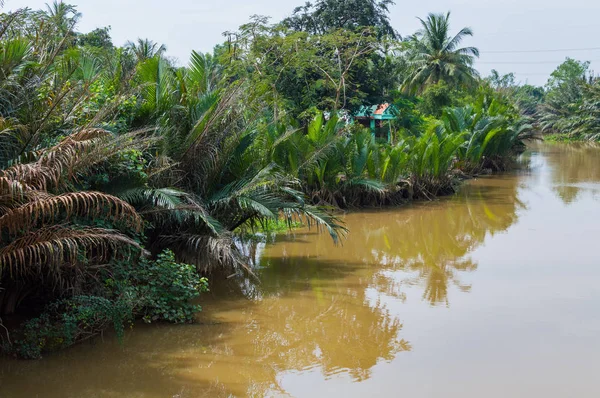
[31, 174]
[84, 204]
[107, 149]
[52, 162]
[207, 252]
[12, 190]
[60, 159]
[9, 202]
[88, 134]
[44, 252]
[75, 155]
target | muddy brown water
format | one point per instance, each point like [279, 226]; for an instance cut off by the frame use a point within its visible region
[494, 292]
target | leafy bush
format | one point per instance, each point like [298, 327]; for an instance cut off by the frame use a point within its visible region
[68, 321]
[493, 131]
[165, 289]
[432, 157]
[155, 290]
[435, 98]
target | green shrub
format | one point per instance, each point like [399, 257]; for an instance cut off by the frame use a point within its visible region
[559, 138]
[435, 98]
[165, 289]
[67, 321]
[154, 290]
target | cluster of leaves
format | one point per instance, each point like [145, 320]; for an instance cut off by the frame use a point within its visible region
[566, 109]
[159, 290]
[164, 289]
[493, 131]
[328, 15]
[71, 320]
[572, 102]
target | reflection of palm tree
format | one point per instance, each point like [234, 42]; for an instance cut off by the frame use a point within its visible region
[439, 276]
[573, 164]
[435, 240]
[331, 323]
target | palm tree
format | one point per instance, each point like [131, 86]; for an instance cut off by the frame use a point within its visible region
[493, 132]
[209, 150]
[63, 16]
[435, 56]
[48, 232]
[145, 49]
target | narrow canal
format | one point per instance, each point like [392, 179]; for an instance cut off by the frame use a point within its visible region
[494, 292]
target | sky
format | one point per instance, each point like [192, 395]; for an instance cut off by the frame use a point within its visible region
[512, 35]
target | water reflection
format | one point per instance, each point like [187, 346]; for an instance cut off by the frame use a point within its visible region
[429, 242]
[314, 312]
[319, 309]
[433, 242]
[575, 169]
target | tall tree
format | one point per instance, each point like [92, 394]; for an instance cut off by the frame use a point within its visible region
[63, 16]
[328, 15]
[568, 72]
[434, 55]
[299, 70]
[145, 49]
[99, 38]
[569, 98]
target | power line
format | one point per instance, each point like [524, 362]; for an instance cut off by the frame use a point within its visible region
[531, 74]
[541, 51]
[529, 63]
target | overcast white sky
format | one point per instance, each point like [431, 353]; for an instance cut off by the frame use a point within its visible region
[505, 25]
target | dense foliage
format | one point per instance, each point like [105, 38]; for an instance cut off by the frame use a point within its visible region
[158, 290]
[118, 168]
[566, 109]
[572, 102]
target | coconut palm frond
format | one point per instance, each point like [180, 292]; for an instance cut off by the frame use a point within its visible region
[433, 55]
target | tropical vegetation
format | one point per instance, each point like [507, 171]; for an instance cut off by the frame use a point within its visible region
[567, 108]
[126, 178]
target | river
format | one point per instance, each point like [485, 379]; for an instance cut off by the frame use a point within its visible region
[493, 292]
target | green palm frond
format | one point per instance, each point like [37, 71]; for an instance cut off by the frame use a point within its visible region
[433, 55]
[164, 198]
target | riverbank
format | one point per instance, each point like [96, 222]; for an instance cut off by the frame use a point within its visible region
[567, 138]
[59, 326]
[432, 282]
